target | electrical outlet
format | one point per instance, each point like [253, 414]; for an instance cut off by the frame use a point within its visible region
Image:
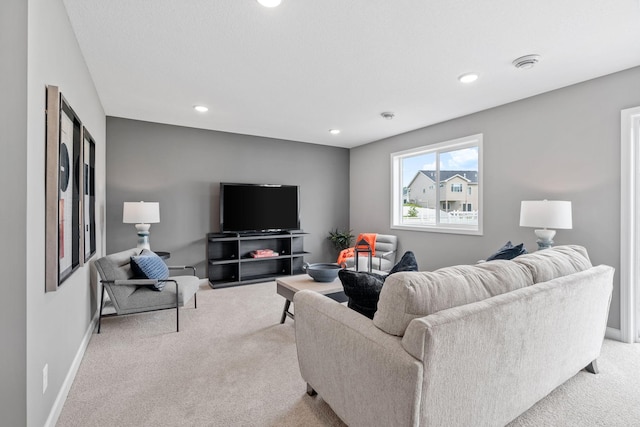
[45, 377]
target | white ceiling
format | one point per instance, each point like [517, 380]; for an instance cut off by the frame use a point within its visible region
[296, 71]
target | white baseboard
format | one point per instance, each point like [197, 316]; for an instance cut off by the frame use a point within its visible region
[56, 410]
[614, 334]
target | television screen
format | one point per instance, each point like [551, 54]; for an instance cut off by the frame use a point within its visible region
[258, 207]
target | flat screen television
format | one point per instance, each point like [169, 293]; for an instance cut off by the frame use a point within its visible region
[246, 208]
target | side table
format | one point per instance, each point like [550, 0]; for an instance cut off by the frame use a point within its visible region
[288, 286]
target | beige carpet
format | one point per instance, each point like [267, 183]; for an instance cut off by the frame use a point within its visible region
[233, 364]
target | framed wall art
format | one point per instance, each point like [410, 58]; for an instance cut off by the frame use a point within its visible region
[89, 194]
[63, 224]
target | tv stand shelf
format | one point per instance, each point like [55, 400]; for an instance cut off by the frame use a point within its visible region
[229, 262]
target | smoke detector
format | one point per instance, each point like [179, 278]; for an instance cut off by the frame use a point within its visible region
[387, 115]
[526, 62]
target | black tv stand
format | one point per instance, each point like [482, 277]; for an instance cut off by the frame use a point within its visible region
[229, 262]
[261, 233]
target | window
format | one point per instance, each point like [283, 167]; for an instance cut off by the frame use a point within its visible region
[433, 167]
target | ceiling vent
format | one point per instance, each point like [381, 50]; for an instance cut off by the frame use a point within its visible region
[526, 62]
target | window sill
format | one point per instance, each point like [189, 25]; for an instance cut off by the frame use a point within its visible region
[439, 229]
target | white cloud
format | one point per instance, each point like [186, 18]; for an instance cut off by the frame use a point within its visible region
[466, 159]
[429, 166]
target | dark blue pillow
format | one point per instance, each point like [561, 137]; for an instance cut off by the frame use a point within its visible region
[407, 263]
[508, 251]
[148, 265]
[363, 288]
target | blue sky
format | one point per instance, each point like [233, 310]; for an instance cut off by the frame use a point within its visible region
[465, 159]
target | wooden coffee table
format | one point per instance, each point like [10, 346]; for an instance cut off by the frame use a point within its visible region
[288, 286]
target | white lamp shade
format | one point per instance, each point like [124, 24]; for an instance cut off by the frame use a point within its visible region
[141, 212]
[270, 3]
[545, 214]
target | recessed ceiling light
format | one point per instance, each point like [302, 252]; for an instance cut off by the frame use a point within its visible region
[526, 62]
[468, 78]
[270, 3]
[200, 108]
[388, 115]
[334, 131]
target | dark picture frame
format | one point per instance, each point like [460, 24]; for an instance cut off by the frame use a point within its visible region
[88, 194]
[63, 223]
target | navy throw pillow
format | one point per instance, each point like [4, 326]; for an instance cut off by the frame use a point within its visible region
[508, 251]
[407, 263]
[148, 265]
[363, 288]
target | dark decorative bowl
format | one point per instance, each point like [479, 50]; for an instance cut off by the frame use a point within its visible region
[322, 272]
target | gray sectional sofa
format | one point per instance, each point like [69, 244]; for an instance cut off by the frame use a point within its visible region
[461, 346]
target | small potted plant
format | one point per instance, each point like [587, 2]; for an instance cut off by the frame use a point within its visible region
[341, 239]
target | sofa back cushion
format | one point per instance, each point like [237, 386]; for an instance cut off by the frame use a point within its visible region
[406, 296]
[409, 295]
[555, 262]
[117, 267]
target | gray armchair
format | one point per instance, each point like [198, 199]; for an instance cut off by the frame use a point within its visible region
[128, 295]
[385, 248]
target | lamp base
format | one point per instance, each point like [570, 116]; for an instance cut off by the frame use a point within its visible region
[143, 236]
[545, 238]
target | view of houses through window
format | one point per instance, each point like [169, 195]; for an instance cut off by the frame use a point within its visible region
[439, 186]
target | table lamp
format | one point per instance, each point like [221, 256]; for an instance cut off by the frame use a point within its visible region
[544, 215]
[142, 214]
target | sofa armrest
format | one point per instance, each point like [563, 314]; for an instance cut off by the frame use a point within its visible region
[363, 373]
[540, 335]
[388, 256]
[131, 282]
[183, 267]
[385, 255]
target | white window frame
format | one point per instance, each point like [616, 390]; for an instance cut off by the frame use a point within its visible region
[396, 186]
[630, 228]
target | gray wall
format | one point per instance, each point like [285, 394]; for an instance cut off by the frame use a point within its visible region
[181, 168]
[57, 322]
[562, 145]
[13, 227]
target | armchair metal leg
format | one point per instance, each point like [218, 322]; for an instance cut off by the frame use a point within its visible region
[177, 310]
[195, 300]
[101, 305]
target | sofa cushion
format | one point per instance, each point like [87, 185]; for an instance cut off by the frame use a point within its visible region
[148, 265]
[558, 261]
[117, 266]
[409, 295]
